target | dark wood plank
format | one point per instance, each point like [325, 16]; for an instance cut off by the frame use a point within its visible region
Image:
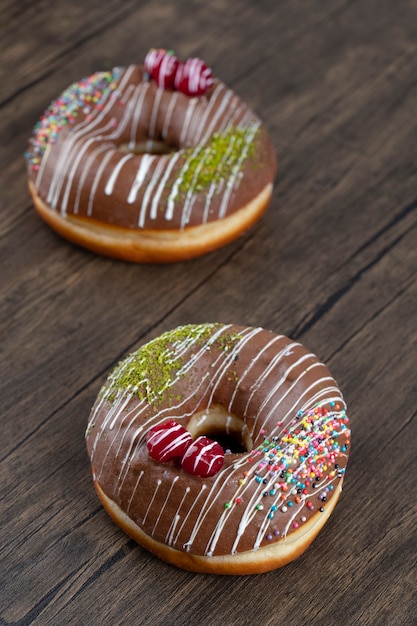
[333, 264]
[39, 37]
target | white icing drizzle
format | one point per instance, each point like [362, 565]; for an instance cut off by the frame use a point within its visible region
[155, 201]
[268, 370]
[170, 535]
[214, 121]
[124, 466]
[231, 117]
[207, 205]
[154, 114]
[211, 497]
[174, 192]
[164, 504]
[246, 336]
[324, 393]
[41, 170]
[253, 362]
[145, 164]
[212, 103]
[126, 95]
[221, 183]
[169, 114]
[158, 484]
[190, 510]
[108, 155]
[236, 171]
[108, 190]
[192, 103]
[284, 377]
[214, 187]
[189, 198]
[91, 159]
[132, 497]
[141, 91]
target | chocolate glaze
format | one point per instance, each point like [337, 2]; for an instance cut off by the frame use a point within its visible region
[288, 400]
[88, 168]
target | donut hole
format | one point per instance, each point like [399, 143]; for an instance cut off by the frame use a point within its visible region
[229, 442]
[229, 430]
[150, 146]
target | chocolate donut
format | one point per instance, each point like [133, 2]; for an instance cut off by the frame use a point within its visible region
[151, 167]
[220, 448]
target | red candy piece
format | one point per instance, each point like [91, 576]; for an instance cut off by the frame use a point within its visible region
[193, 77]
[162, 67]
[167, 441]
[151, 59]
[204, 457]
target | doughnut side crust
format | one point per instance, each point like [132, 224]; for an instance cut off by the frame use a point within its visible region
[258, 561]
[152, 246]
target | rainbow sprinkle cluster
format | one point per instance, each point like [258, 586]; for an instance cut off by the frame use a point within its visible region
[303, 463]
[311, 445]
[86, 95]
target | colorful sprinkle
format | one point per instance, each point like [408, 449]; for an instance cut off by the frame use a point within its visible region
[87, 95]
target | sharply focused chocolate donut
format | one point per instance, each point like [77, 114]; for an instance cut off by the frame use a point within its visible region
[150, 163]
[220, 448]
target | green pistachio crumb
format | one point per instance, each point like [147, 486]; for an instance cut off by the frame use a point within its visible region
[216, 160]
[151, 371]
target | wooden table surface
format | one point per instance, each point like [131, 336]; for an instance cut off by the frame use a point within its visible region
[332, 264]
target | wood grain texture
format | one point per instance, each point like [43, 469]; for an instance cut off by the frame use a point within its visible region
[332, 264]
